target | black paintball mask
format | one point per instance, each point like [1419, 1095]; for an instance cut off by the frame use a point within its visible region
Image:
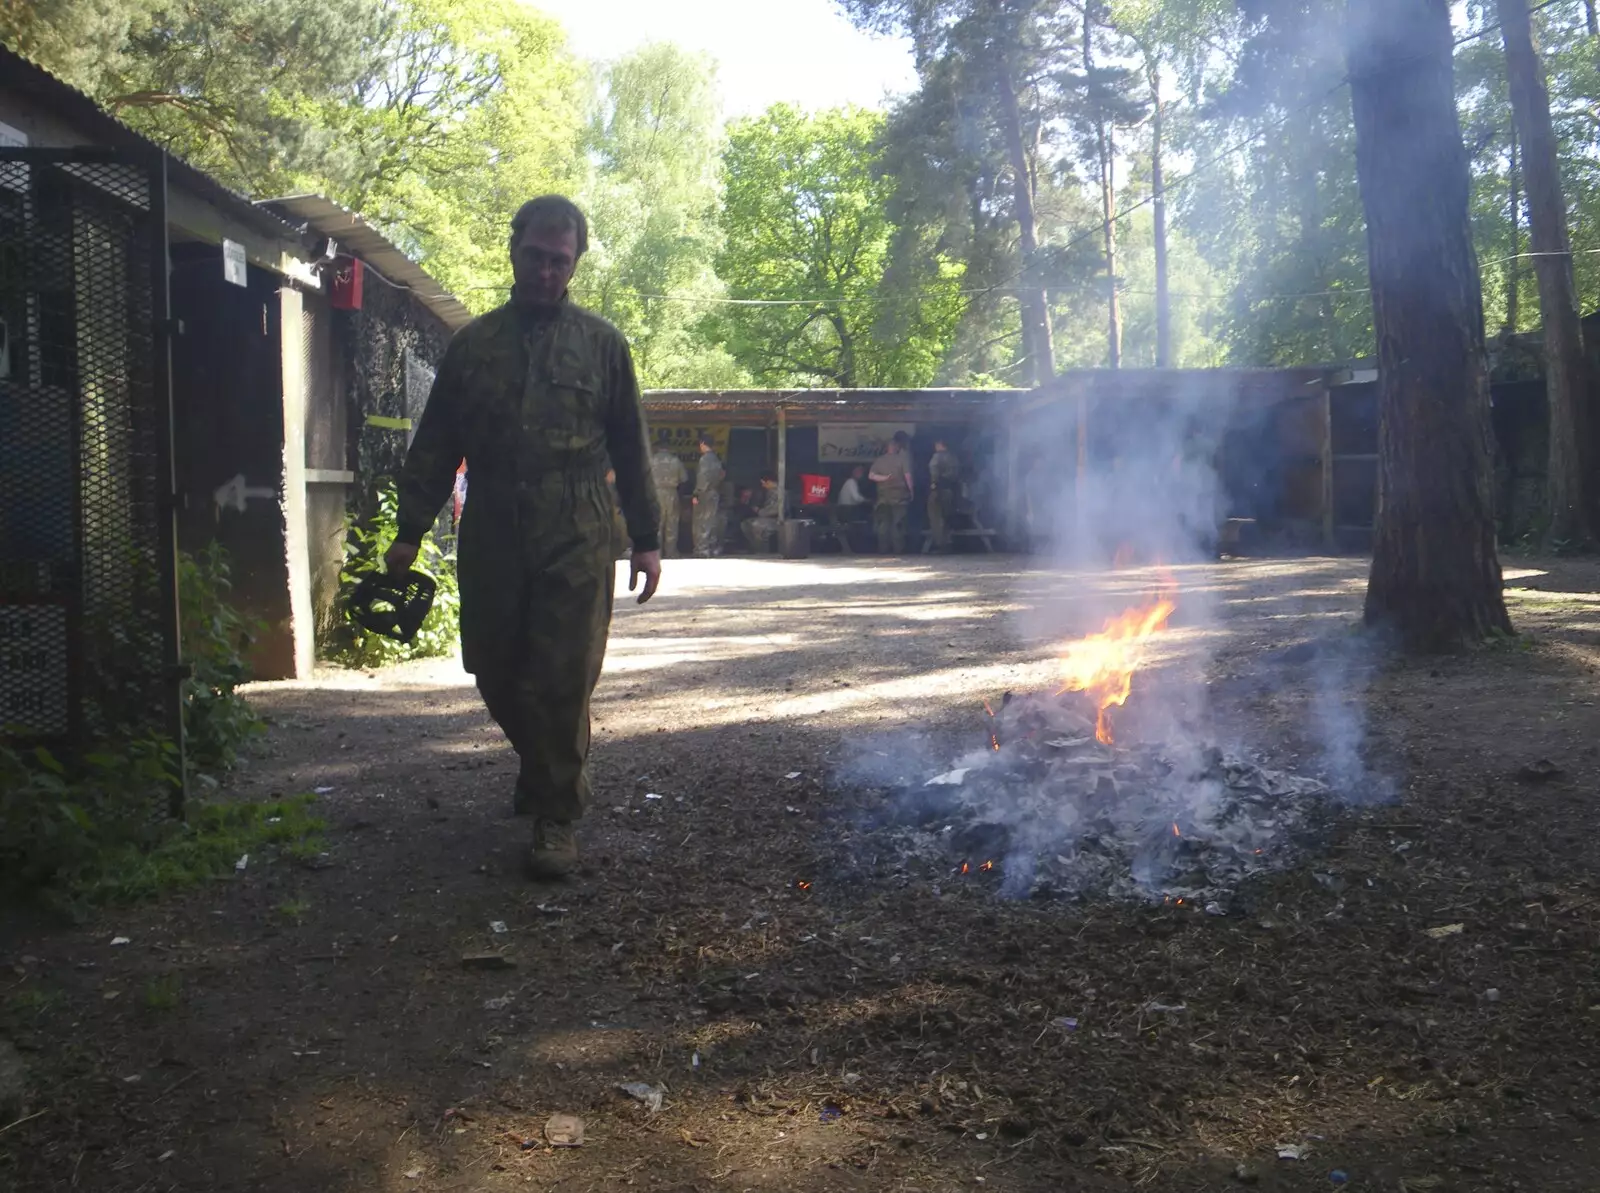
[391, 605]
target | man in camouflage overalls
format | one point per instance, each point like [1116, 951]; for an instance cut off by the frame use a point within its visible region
[537, 395]
[759, 529]
[707, 499]
[944, 480]
[668, 472]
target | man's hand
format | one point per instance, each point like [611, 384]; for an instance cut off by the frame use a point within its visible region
[694, 501]
[648, 565]
[399, 558]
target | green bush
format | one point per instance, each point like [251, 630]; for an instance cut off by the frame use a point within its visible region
[102, 834]
[216, 638]
[103, 827]
[363, 554]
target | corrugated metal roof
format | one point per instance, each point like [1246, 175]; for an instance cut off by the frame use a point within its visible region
[835, 403]
[359, 238]
[62, 98]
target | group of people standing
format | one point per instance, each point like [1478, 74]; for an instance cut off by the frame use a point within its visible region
[669, 475]
[891, 474]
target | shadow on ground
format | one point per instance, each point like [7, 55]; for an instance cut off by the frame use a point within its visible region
[314, 1027]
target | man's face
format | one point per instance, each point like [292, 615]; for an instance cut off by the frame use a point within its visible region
[704, 448]
[543, 261]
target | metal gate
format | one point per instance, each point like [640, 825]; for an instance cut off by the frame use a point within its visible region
[89, 651]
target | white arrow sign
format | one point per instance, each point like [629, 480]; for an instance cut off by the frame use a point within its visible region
[233, 494]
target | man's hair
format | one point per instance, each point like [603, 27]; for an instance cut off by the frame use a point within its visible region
[708, 439]
[551, 211]
[902, 438]
[770, 476]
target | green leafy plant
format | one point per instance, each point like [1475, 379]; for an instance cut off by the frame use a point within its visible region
[364, 551]
[216, 638]
[101, 833]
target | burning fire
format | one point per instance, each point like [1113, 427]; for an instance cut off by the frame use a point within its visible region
[994, 738]
[1103, 664]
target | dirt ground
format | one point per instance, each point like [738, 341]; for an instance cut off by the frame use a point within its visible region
[319, 1030]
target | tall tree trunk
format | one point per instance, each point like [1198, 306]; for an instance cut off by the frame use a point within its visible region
[1514, 263]
[1435, 574]
[1159, 217]
[1107, 196]
[1037, 341]
[1565, 372]
[1592, 18]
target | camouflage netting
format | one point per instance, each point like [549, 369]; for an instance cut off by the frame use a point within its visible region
[391, 348]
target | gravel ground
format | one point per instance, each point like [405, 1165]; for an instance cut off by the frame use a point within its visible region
[816, 1019]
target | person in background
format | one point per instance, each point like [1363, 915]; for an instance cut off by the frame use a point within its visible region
[767, 517]
[850, 493]
[944, 480]
[668, 473]
[891, 472]
[707, 499]
[540, 398]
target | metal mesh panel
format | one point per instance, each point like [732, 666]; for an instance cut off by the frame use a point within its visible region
[87, 601]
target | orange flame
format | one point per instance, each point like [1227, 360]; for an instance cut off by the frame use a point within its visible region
[994, 738]
[1175, 831]
[804, 886]
[966, 869]
[987, 866]
[1103, 664]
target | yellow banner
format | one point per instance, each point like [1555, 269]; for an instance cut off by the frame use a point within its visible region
[684, 440]
[387, 423]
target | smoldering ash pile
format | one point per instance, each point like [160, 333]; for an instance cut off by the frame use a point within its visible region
[1057, 805]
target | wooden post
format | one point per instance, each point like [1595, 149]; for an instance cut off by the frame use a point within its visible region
[1013, 505]
[783, 463]
[1080, 479]
[1325, 450]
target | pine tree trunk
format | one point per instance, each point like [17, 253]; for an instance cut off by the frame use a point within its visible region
[1565, 372]
[1037, 342]
[1107, 198]
[1435, 577]
[1159, 218]
[1514, 265]
[1591, 18]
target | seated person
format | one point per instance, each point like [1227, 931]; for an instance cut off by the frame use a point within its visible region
[852, 501]
[765, 522]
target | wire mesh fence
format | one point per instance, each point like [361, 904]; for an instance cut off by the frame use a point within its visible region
[88, 605]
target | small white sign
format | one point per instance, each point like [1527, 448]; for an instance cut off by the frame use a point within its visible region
[233, 265]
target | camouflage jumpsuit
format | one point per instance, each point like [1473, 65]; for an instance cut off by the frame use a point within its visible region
[708, 476]
[944, 477]
[668, 473]
[536, 402]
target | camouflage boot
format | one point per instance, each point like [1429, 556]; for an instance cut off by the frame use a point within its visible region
[555, 849]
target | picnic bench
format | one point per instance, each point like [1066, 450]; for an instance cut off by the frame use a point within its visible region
[976, 530]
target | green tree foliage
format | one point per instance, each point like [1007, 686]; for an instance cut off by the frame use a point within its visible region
[654, 143]
[470, 108]
[240, 88]
[808, 229]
